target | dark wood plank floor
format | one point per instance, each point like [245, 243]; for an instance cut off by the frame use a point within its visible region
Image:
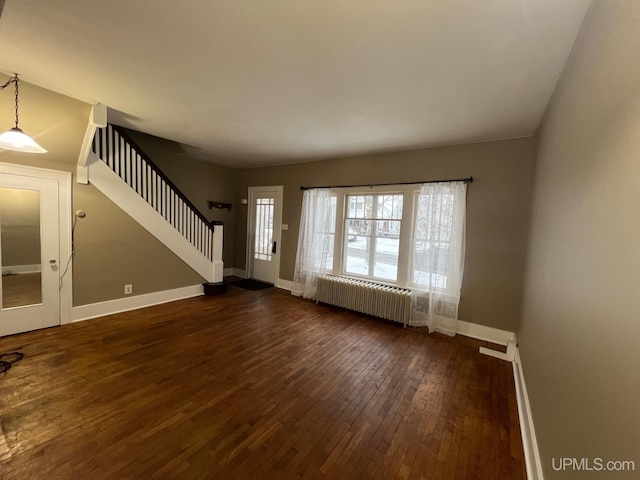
[23, 289]
[254, 385]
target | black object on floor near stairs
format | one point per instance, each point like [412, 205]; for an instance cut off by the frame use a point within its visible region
[217, 288]
[251, 284]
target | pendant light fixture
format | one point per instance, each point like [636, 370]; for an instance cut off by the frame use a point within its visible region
[16, 139]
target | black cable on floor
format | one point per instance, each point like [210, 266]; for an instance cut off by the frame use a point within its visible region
[8, 359]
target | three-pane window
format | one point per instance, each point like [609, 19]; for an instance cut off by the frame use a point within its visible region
[372, 229]
[400, 238]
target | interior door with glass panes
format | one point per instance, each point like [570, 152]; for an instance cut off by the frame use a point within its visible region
[29, 254]
[264, 233]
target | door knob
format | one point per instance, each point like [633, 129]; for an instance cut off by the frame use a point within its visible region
[52, 261]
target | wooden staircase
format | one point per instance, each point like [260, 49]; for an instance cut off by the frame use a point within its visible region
[123, 172]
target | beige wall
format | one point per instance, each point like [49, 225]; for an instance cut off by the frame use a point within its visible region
[497, 214]
[111, 249]
[580, 332]
[55, 121]
[200, 181]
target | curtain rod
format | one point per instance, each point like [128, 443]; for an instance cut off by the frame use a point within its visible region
[465, 180]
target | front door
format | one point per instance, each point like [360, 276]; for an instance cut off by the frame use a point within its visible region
[264, 233]
[29, 254]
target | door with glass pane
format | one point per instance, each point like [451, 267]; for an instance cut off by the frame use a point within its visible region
[29, 251]
[264, 233]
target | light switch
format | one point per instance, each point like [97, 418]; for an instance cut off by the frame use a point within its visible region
[285, 226]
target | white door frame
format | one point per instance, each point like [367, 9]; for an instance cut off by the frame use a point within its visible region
[277, 234]
[64, 212]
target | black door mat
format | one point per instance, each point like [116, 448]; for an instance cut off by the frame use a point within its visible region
[251, 284]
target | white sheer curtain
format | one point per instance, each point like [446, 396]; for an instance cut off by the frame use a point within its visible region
[438, 256]
[315, 241]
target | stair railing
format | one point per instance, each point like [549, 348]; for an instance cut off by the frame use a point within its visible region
[118, 150]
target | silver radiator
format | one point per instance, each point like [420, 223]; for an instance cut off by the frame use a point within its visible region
[391, 303]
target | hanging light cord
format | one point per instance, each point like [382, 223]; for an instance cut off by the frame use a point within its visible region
[73, 251]
[15, 80]
[10, 81]
[16, 101]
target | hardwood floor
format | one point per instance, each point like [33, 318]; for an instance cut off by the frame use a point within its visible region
[19, 290]
[254, 385]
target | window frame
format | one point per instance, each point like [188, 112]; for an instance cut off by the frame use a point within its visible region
[406, 231]
[373, 234]
[410, 194]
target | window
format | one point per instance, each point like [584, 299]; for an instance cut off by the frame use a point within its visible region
[372, 226]
[403, 237]
[327, 233]
[413, 236]
[264, 228]
[432, 239]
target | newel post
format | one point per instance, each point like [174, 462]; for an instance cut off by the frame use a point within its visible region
[218, 265]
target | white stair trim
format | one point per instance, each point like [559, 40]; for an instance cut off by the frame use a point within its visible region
[97, 119]
[109, 183]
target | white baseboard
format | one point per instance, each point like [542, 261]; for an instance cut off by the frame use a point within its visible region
[508, 356]
[285, 284]
[488, 334]
[93, 310]
[529, 442]
[238, 272]
[17, 269]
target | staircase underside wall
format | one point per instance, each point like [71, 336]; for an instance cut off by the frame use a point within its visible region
[113, 250]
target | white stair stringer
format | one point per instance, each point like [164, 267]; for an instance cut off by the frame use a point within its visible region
[110, 184]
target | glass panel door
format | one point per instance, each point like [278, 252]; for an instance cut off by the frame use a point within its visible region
[29, 253]
[264, 229]
[263, 242]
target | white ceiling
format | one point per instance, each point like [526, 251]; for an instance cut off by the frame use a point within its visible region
[255, 82]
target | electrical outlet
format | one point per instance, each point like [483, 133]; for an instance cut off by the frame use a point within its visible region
[128, 289]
